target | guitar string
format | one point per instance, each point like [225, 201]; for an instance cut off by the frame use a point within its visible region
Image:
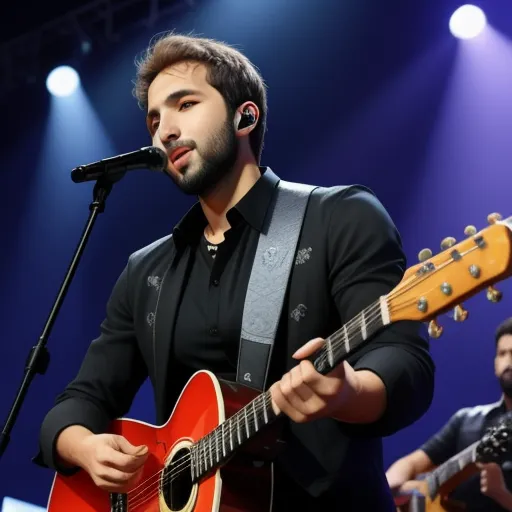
[404, 287]
[337, 339]
[185, 464]
[259, 407]
[185, 461]
[239, 419]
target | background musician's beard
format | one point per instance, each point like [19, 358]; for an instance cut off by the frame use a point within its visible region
[505, 380]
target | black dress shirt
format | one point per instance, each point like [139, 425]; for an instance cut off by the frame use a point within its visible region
[181, 311]
[465, 427]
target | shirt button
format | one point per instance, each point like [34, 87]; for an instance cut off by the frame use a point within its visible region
[213, 331]
[215, 282]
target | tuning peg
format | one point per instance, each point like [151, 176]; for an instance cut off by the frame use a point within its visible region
[434, 329]
[447, 242]
[493, 294]
[492, 218]
[470, 230]
[424, 255]
[459, 313]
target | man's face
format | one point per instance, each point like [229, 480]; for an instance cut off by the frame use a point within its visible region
[503, 363]
[188, 118]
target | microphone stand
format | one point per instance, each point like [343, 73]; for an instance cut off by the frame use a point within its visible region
[39, 357]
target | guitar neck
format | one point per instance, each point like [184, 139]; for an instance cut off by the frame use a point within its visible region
[352, 336]
[439, 476]
[219, 445]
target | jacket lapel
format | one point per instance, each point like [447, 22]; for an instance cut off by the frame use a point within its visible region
[169, 297]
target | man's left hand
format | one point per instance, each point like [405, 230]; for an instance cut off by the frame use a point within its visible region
[303, 394]
[492, 483]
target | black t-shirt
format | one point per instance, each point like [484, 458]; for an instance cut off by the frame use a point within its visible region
[465, 427]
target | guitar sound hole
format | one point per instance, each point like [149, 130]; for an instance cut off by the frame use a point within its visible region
[176, 482]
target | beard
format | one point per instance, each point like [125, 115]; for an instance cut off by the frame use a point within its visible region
[505, 380]
[216, 160]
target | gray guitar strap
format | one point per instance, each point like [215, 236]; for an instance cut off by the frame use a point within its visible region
[275, 256]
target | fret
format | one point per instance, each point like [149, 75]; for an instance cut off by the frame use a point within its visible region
[246, 422]
[231, 446]
[192, 453]
[453, 468]
[432, 484]
[196, 455]
[330, 355]
[473, 452]
[256, 428]
[200, 457]
[384, 310]
[238, 433]
[217, 452]
[222, 439]
[265, 413]
[345, 335]
[363, 326]
[211, 435]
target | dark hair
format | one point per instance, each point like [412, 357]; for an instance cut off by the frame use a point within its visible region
[229, 71]
[504, 328]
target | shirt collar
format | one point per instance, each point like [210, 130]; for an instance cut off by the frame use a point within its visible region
[500, 405]
[252, 208]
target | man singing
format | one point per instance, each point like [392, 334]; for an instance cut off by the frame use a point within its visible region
[206, 107]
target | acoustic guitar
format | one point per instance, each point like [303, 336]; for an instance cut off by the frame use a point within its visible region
[198, 460]
[437, 485]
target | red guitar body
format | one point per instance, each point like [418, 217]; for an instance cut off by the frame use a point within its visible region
[241, 485]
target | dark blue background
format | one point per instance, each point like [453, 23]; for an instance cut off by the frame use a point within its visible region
[359, 92]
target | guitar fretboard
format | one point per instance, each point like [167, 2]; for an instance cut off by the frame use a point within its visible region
[215, 448]
[211, 451]
[352, 335]
[450, 468]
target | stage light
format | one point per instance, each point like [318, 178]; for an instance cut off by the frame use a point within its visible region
[15, 505]
[467, 22]
[62, 81]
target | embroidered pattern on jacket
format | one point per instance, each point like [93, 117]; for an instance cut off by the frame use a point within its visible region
[154, 281]
[299, 312]
[303, 255]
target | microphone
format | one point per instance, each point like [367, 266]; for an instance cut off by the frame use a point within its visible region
[149, 157]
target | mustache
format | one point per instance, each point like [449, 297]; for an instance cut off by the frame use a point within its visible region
[174, 144]
[508, 369]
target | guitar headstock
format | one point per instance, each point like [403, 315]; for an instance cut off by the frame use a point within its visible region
[443, 281]
[496, 444]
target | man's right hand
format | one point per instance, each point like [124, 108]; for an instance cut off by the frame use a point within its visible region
[114, 464]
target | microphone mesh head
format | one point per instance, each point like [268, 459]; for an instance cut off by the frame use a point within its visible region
[156, 159]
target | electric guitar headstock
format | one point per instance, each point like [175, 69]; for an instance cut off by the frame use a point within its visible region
[443, 281]
[496, 444]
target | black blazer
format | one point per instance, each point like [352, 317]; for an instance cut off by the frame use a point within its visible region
[354, 242]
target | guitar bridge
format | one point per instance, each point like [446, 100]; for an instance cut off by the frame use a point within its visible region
[118, 502]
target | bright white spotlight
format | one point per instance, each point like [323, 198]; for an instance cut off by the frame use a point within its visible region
[467, 21]
[62, 81]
